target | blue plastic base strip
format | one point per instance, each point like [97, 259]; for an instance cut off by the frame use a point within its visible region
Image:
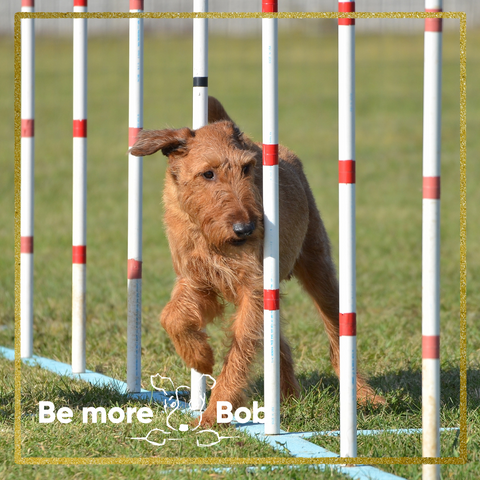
[296, 446]
[396, 431]
[96, 379]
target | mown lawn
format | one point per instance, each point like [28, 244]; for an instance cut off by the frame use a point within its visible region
[389, 181]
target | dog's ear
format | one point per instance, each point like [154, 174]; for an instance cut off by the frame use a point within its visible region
[216, 112]
[171, 142]
[237, 133]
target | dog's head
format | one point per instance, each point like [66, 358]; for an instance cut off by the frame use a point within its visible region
[213, 171]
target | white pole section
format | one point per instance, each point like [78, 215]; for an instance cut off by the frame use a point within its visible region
[431, 240]
[27, 180]
[200, 119]
[347, 268]
[271, 275]
[79, 224]
[135, 187]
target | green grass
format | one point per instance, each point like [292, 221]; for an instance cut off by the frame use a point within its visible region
[389, 146]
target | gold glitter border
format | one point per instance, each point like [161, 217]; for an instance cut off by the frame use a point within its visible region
[462, 459]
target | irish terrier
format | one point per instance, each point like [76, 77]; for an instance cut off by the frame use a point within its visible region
[214, 222]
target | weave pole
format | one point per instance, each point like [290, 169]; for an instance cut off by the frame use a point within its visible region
[79, 208]
[27, 180]
[271, 271]
[347, 268]
[200, 119]
[135, 186]
[431, 240]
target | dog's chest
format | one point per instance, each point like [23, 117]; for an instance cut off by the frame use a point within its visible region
[229, 278]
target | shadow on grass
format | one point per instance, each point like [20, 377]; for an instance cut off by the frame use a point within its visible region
[402, 389]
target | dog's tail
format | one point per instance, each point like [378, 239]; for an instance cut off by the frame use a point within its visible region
[216, 112]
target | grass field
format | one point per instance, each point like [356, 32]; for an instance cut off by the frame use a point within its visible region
[389, 170]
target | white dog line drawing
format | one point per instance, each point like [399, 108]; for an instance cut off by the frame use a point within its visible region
[172, 403]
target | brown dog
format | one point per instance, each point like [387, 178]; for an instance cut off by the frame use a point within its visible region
[214, 220]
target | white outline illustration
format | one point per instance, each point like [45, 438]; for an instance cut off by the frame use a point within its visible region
[172, 402]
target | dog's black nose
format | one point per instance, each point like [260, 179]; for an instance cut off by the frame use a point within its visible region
[243, 229]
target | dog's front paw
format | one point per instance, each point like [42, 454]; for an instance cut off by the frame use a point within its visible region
[200, 357]
[209, 417]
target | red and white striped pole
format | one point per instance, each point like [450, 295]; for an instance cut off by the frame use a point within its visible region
[271, 275]
[27, 180]
[135, 187]
[79, 226]
[347, 268]
[431, 240]
[200, 119]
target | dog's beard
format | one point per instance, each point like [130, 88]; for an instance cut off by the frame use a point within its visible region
[234, 247]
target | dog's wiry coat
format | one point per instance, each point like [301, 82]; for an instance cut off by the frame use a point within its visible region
[214, 223]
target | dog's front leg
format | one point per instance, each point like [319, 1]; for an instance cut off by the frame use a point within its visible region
[247, 331]
[184, 318]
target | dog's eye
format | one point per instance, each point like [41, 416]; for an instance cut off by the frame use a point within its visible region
[208, 175]
[246, 169]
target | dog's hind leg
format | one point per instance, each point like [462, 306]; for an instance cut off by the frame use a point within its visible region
[316, 272]
[184, 318]
[289, 386]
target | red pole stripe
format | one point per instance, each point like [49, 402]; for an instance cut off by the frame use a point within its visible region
[134, 269]
[271, 299]
[348, 324]
[269, 6]
[80, 128]
[433, 24]
[80, 3]
[270, 155]
[132, 135]
[346, 171]
[431, 187]
[136, 4]
[346, 7]
[28, 129]
[79, 254]
[28, 3]
[26, 244]
[431, 346]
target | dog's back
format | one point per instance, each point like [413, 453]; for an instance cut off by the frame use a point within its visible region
[305, 249]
